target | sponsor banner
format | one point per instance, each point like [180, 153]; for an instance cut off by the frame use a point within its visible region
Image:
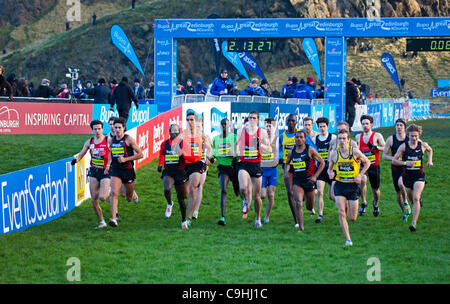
[235, 60]
[120, 40]
[135, 118]
[443, 83]
[406, 111]
[45, 118]
[36, 195]
[211, 112]
[398, 111]
[389, 63]
[359, 111]
[439, 93]
[375, 110]
[328, 111]
[418, 108]
[387, 114]
[239, 111]
[280, 113]
[310, 48]
[150, 135]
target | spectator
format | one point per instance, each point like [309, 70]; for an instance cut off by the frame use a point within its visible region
[67, 25]
[386, 94]
[351, 99]
[122, 96]
[139, 90]
[321, 92]
[288, 89]
[101, 93]
[22, 88]
[200, 87]
[63, 92]
[410, 95]
[180, 89]
[376, 95]
[94, 19]
[133, 4]
[254, 89]
[275, 93]
[306, 91]
[189, 89]
[222, 84]
[89, 85]
[402, 84]
[265, 87]
[5, 84]
[150, 92]
[4, 51]
[405, 54]
[113, 84]
[12, 80]
[78, 90]
[31, 88]
[44, 90]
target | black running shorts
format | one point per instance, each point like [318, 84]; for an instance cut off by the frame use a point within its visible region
[253, 169]
[350, 191]
[126, 175]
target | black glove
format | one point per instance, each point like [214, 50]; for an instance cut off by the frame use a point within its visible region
[280, 161]
[73, 162]
[159, 168]
[212, 160]
[372, 146]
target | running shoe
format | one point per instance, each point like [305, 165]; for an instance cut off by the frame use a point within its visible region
[412, 228]
[118, 218]
[169, 210]
[101, 225]
[189, 221]
[348, 243]
[244, 216]
[195, 215]
[184, 225]
[135, 198]
[244, 206]
[405, 218]
[296, 225]
[376, 210]
[266, 221]
[258, 224]
[319, 219]
[113, 223]
[313, 212]
[222, 221]
[407, 208]
[362, 210]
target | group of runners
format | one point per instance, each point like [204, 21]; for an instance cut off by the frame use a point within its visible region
[250, 159]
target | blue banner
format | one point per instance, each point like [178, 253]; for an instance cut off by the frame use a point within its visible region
[389, 64]
[36, 195]
[387, 115]
[135, 118]
[310, 48]
[120, 40]
[250, 62]
[328, 111]
[234, 59]
[375, 110]
[239, 111]
[439, 93]
[443, 83]
[280, 112]
[418, 108]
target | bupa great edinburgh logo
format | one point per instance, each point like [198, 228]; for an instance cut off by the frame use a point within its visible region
[189, 26]
[251, 25]
[433, 26]
[9, 118]
[323, 26]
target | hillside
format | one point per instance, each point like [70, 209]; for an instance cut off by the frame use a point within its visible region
[38, 46]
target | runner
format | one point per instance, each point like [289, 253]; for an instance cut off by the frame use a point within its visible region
[411, 153]
[192, 152]
[346, 159]
[303, 159]
[308, 124]
[98, 181]
[322, 142]
[392, 143]
[173, 174]
[123, 152]
[269, 164]
[250, 140]
[287, 143]
[206, 153]
[342, 125]
[223, 151]
[370, 143]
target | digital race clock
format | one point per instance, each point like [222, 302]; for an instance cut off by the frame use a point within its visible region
[428, 45]
[250, 45]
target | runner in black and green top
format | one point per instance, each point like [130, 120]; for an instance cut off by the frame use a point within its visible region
[223, 151]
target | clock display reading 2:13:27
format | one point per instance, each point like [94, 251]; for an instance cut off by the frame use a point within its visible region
[250, 45]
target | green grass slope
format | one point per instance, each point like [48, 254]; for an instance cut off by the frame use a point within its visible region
[147, 248]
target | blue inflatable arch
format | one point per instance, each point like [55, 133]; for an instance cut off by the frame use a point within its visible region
[335, 31]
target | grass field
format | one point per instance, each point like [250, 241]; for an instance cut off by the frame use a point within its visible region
[147, 248]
